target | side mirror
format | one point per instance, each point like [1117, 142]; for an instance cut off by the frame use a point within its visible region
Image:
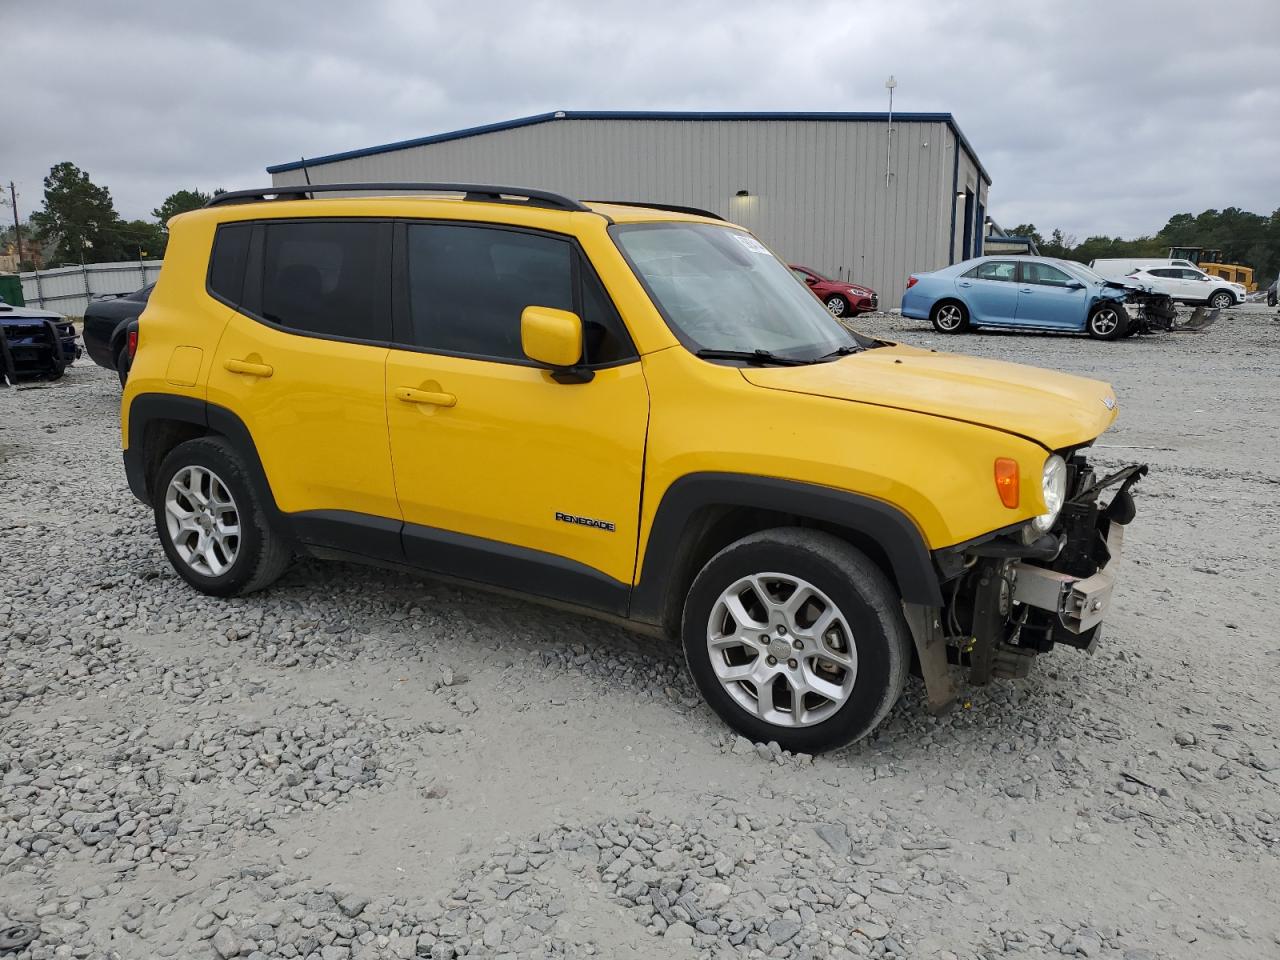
[811, 280]
[553, 338]
[1074, 285]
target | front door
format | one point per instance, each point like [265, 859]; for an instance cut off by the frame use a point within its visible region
[505, 475]
[1050, 297]
[302, 363]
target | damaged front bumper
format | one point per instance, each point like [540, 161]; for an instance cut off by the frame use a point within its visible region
[1009, 600]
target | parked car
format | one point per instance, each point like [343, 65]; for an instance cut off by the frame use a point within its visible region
[703, 450]
[1116, 268]
[1040, 293]
[1190, 285]
[35, 344]
[106, 327]
[842, 299]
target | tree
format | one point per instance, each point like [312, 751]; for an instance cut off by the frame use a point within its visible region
[139, 240]
[181, 202]
[78, 216]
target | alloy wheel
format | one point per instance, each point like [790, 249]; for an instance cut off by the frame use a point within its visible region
[950, 317]
[202, 520]
[1105, 321]
[836, 305]
[782, 649]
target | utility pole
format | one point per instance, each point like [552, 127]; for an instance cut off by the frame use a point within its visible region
[17, 230]
[888, 144]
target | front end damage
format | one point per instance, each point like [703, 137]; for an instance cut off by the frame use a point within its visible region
[1148, 311]
[1010, 597]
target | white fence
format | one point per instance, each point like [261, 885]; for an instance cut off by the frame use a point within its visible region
[68, 290]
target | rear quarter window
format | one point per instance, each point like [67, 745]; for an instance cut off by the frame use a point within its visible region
[226, 263]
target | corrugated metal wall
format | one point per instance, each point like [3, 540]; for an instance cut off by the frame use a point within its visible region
[68, 290]
[817, 191]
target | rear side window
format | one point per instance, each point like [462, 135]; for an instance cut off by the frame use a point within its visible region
[321, 277]
[994, 270]
[469, 285]
[226, 264]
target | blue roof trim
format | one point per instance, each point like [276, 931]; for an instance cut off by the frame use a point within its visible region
[880, 117]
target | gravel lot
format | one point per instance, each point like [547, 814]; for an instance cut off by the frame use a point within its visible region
[360, 764]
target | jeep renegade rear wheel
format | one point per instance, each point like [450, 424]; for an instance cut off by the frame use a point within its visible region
[211, 524]
[794, 635]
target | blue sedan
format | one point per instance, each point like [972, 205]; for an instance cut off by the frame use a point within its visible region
[1037, 293]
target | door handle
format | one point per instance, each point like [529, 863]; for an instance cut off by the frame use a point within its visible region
[433, 397]
[1027, 290]
[249, 368]
[964, 283]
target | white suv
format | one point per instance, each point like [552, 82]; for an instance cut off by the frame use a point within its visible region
[1189, 285]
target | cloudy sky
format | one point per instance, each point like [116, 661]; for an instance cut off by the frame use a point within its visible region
[1098, 117]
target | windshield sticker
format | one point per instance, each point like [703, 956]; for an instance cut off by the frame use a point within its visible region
[751, 243]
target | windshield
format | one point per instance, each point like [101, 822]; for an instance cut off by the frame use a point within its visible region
[721, 289]
[1082, 270]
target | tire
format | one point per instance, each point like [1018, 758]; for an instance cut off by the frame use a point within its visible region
[122, 365]
[1221, 299]
[838, 305]
[226, 565]
[949, 316]
[1108, 321]
[867, 622]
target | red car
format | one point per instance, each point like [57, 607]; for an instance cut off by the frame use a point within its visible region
[842, 299]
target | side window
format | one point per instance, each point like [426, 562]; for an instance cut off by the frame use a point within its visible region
[1192, 275]
[469, 285]
[994, 270]
[226, 263]
[1044, 274]
[321, 277]
[1167, 274]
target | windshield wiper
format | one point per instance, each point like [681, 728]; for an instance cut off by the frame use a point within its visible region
[762, 357]
[842, 352]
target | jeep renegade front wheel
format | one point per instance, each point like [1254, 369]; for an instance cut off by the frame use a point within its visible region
[794, 635]
[213, 528]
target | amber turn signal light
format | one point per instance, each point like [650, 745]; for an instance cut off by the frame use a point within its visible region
[1007, 481]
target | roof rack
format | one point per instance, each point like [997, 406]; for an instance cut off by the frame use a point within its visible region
[668, 207]
[482, 193]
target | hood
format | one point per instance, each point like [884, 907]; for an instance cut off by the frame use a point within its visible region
[10, 312]
[857, 288]
[1056, 410]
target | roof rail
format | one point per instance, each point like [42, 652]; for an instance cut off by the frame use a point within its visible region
[668, 207]
[478, 192]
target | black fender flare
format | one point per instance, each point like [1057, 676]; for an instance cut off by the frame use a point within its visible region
[887, 526]
[148, 408]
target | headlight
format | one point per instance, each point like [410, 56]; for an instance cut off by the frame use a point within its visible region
[1054, 481]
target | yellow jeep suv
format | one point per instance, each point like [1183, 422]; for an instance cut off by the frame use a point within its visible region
[633, 409]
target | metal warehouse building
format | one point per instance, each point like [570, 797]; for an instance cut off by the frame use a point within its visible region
[858, 196]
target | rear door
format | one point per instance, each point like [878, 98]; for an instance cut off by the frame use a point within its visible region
[1050, 297]
[302, 363]
[505, 475]
[991, 291]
